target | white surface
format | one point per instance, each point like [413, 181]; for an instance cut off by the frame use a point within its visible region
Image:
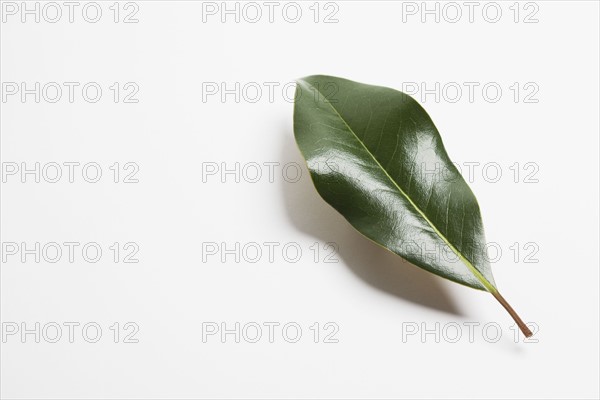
[371, 296]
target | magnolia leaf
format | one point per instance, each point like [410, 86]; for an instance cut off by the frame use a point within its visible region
[375, 155]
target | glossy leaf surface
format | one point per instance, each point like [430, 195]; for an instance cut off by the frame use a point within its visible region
[375, 155]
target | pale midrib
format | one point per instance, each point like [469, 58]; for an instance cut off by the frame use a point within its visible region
[473, 270]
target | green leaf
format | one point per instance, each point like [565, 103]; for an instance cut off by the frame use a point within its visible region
[375, 156]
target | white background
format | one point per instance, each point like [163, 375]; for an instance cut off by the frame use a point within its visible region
[372, 297]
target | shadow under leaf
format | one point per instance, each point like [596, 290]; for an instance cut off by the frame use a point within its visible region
[378, 267]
